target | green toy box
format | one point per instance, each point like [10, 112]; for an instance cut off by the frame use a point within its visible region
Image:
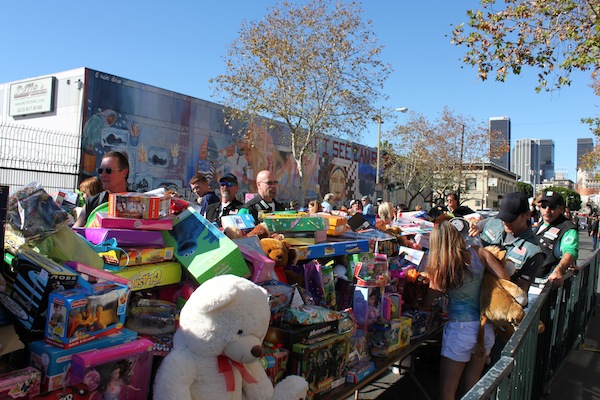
[203, 249]
[294, 223]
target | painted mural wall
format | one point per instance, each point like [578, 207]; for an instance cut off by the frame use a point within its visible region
[169, 136]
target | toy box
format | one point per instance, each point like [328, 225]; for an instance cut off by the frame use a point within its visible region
[310, 315]
[54, 363]
[138, 205]
[129, 256]
[29, 283]
[332, 249]
[262, 268]
[105, 221]
[287, 335]
[83, 314]
[335, 224]
[203, 249]
[372, 270]
[294, 223]
[359, 370]
[20, 383]
[405, 331]
[385, 338]
[124, 237]
[415, 257]
[80, 391]
[119, 372]
[305, 238]
[367, 305]
[151, 275]
[275, 361]
[322, 364]
[241, 221]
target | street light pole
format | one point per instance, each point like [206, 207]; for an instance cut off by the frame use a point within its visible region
[379, 119]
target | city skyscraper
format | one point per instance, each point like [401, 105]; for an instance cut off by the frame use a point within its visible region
[502, 125]
[584, 145]
[546, 159]
[526, 160]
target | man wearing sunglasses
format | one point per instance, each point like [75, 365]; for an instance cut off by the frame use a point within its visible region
[113, 172]
[266, 185]
[228, 186]
[511, 230]
[558, 238]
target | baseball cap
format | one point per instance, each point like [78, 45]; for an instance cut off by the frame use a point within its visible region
[553, 198]
[513, 205]
[229, 178]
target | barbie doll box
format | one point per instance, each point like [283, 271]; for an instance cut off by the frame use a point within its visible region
[83, 314]
[22, 383]
[105, 221]
[55, 363]
[120, 372]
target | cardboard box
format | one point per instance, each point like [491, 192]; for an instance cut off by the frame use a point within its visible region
[262, 268]
[294, 223]
[151, 275]
[241, 221]
[203, 249]
[133, 359]
[29, 284]
[332, 249]
[405, 331]
[138, 205]
[124, 237]
[287, 335]
[276, 360]
[132, 223]
[21, 383]
[84, 314]
[129, 256]
[55, 363]
[335, 225]
[366, 305]
[79, 391]
[322, 364]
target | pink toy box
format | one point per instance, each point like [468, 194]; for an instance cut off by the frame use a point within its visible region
[22, 383]
[163, 224]
[119, 372]
[124, 237]
[85, 313]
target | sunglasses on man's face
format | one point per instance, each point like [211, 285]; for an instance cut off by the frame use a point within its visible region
[227, 183]
[551, 207]
[107, 170]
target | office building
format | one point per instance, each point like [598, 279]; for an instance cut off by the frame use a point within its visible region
[501, 125]
[546, 159]
[584, 145]
[526, 160]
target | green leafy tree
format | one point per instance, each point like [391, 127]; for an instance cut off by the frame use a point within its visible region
[312, 65]
[426, 155]
[553, 37]
[526, 188]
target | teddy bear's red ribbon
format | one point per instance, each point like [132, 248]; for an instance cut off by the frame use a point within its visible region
[225, 367]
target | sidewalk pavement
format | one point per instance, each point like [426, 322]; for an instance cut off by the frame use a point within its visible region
[577, 379]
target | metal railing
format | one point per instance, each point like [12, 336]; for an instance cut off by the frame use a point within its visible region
[530, 359]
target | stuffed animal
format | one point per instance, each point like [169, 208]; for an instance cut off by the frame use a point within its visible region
[217, 346]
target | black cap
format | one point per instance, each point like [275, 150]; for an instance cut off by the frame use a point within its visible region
[553, 198]
[229, 178]
[513, 205]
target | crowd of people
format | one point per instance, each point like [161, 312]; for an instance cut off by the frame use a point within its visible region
[540, 240]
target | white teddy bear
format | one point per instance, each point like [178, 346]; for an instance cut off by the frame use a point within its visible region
[217, 346]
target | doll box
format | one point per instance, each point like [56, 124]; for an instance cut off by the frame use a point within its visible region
[124, 237]
[129, 256]
[203, 249]
[138, 205]
[55, 363]
[35, 277]
[332, 249]
[22, 383]
[294, 223]
[119, 372]
[405, 331]
[133, 223]
[151, 275]
[366, 305]
[308, 361]
[84, 314]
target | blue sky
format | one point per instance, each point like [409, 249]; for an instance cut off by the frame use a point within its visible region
[179, 46]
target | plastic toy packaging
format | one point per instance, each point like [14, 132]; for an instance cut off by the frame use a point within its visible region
[34, 212]
[153, 317]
